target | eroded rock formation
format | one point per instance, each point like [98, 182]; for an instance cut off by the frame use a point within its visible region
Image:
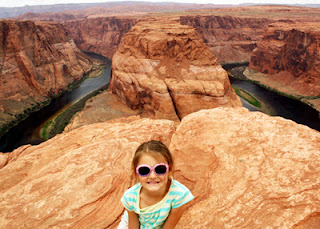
[165, 69]
[100, 35]
[37, 61]
[246, 170]
[231, 39]
[289, 59]
[72, 181]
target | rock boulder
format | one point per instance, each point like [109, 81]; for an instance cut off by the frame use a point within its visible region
[74, 180]
[245, 169]
[163, 68]
[248, 170]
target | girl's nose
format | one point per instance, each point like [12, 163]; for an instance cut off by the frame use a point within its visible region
[153, 174]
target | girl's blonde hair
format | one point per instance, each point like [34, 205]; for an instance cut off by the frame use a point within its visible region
[155, 149]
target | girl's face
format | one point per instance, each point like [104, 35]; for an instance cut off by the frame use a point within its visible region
[153, 183]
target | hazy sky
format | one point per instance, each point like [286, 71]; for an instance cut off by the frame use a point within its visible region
[15, 3]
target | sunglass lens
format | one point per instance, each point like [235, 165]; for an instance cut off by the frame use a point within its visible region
[144, 171]
[160, 169]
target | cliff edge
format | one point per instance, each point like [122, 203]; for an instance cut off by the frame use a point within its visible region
[37, 62]
[287, 60]
[230, 38]
[99, 35]
[245, 169]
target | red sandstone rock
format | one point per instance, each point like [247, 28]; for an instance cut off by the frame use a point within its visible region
[246, 170]
[100, 35]
[231, 39]
[164, 68]
[230, 32]
[38, 61]
[288, 56]
[75, 180]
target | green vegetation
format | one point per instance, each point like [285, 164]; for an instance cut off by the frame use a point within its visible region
[57, 125]
[45, 128]
[237, 73]
[247, 96]
[22, 110]
[12, 120]
[96, 71]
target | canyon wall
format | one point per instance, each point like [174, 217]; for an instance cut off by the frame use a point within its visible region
[99, 35]
[37, 61]
[231, 39]
[165, 69]
[288, 60]
[245, 169]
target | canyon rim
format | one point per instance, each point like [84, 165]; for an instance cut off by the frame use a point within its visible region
[246, 169]
[287, 60]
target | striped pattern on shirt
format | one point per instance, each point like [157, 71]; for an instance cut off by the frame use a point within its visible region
[154, 216]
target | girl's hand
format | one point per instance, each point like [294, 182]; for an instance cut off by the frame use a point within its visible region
[133, 220]
[174, 217]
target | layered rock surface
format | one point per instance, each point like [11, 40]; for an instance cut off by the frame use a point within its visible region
[231, 39]
[37, 62]
[100, 35]
[163, 68]
[245, 169]
[72, 180]
[289, 59]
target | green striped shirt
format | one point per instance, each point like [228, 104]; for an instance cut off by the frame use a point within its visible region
[154, 216]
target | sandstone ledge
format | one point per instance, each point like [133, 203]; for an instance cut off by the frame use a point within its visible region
[246, 170]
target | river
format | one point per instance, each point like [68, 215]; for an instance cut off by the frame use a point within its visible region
[27, 132]
[277, 105]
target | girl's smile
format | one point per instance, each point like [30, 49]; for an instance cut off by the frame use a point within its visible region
[158, 200]
[153, 184]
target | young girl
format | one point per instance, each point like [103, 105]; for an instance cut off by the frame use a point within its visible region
[157, 201]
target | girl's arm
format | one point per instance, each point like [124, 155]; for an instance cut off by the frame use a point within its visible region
[133, 220]
[174, 217]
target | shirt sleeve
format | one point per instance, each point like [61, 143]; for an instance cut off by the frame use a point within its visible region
[129, 198]
[126, 202]
[182, 195]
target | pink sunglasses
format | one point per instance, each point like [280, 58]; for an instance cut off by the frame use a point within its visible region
[145, 170]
